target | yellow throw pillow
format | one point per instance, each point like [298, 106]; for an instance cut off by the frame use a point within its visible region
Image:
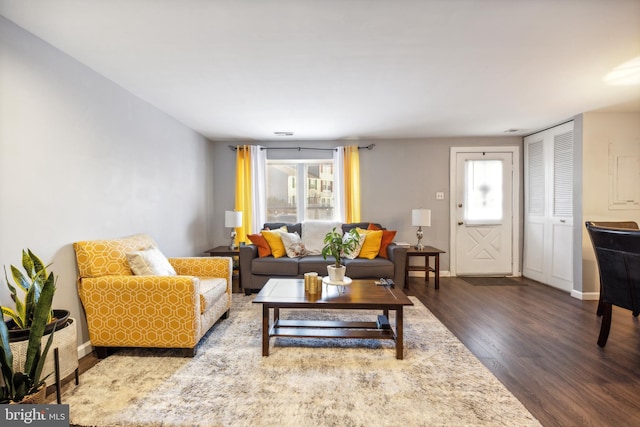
[274, 240]
[372, 243]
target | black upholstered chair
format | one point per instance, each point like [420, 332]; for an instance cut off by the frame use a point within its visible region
[632, 225]
[618, 256]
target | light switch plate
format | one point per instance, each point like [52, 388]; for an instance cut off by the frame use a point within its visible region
[439, 195]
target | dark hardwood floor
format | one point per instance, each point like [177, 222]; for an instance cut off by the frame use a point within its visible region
[541, 344]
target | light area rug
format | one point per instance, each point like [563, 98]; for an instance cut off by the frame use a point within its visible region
[303, 382]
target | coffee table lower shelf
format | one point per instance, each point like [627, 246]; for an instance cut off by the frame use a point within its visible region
[329, 329]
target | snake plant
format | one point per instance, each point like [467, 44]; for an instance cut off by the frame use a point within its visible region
[31, 284]
[17, 384]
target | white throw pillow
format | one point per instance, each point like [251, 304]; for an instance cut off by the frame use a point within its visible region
[313, 233]
[150, 262]
[293, 245]
[354, 254]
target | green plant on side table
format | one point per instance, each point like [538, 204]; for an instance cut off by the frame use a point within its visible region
[36, 312]
[336, 246]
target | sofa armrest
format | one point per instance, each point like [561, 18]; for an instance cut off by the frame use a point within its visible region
[138, 311]
[247, 254]
[398, 256]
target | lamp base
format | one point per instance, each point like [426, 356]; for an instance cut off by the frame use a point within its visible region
[419, 235]
[233, 246]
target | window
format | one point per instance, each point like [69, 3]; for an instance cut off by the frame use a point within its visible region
[312, 200]
[483, 198]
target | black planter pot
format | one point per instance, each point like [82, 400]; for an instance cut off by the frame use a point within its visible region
[16, 335]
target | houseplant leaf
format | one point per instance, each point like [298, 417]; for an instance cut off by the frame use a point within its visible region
[6, 362]
[41, 315]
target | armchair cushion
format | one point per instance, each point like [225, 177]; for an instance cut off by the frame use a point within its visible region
[150, 262]
[211, 289]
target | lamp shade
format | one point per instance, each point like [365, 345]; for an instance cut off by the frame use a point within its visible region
[421, 217]
[232, 219]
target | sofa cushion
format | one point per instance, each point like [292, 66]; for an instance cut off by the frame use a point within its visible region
[361, 268]
[150, 262]
[387, 238]
[291, 228]
[356, 251]
[371, 245]
[274, 240]
[313, 233]
[270, 266]
[363, 225]
[314, 263]
[293, 245]
[211, 289]
[261, 243]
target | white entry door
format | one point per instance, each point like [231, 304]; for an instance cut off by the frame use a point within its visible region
[482, 214]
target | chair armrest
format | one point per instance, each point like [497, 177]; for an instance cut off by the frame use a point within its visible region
[203, 266]
[137, 311]
[398, 256]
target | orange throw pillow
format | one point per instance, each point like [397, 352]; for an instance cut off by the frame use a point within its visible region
[387, 237]
[263, 247]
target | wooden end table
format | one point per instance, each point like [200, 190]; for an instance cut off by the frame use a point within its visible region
[280, 294]
[426, 253]
[233, 253]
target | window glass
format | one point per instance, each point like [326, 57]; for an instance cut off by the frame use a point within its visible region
[312, 200]
[483, 198]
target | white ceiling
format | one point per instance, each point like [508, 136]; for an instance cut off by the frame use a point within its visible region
[351, 69]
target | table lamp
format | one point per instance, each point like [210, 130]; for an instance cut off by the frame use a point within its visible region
[420, 218]
[233, 219]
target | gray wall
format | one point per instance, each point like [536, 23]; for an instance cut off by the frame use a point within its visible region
[598, 131]
[81, 158]
[396, 176]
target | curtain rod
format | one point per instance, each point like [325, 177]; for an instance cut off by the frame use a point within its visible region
[368, 147]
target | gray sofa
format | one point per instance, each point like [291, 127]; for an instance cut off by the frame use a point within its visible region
[255, 271]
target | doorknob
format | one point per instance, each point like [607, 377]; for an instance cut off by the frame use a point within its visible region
[459, 205]
[460, 222]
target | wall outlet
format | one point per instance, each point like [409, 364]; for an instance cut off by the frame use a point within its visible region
[439, 195]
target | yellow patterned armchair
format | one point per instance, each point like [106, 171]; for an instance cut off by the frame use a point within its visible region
[173, 310]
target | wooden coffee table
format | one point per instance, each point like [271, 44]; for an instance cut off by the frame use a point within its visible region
[280, 294]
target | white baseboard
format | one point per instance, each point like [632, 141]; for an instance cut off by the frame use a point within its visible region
[590, 296]
[431, 274]
[84, 349]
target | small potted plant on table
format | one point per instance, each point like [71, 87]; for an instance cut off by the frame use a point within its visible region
[337, 246]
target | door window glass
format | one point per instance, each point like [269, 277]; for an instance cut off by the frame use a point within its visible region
[483, 198]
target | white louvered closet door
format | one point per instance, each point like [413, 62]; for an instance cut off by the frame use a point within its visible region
[548, 228]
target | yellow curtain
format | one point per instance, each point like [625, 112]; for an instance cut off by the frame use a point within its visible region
[352, 184]
[243, 191]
